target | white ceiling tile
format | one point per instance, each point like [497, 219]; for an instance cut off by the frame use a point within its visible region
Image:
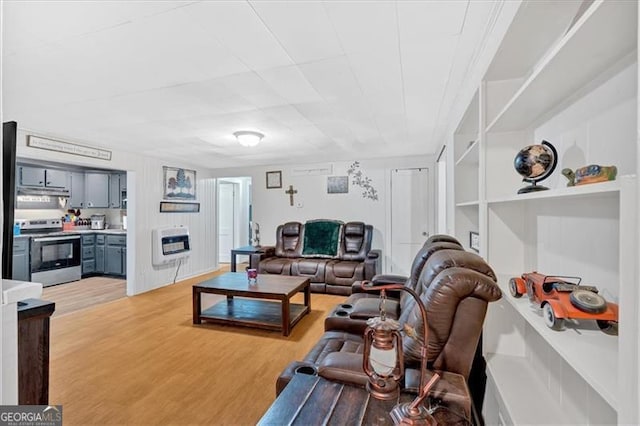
[254, 89]
[365, 26]
[237, 26]
[380, 77]
[290, 84]
[420, 20]
[301, 27]
[332, 78]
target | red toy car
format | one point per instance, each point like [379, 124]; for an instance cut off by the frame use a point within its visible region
[564, 298]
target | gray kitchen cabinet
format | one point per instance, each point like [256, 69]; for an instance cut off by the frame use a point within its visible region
[100, 253]
[115, 258]
[96, 189]
[20, 259]
[76, 200]
[117, 181]
[41, 177]
[88, 254]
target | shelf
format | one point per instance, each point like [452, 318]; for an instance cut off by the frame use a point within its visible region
[602, 36]
[590, 352]
[471, 155]
[518, 385]
[474, 203]
[567, 192]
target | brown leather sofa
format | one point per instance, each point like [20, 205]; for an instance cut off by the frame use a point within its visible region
[354, 260]
[455, 287]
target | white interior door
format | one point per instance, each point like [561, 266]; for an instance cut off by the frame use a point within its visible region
[226, 220]
[409, 216]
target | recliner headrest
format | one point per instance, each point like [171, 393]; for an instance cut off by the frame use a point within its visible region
[354, 229]
[291, 229]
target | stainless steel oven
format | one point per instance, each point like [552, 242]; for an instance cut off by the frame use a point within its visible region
[56, 259]
[56, 256]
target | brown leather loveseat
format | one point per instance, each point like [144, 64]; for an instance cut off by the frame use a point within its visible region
[334, 268]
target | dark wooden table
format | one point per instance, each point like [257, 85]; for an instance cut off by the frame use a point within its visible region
[33, 351]
[265, 304]
[246, 250]
[311, 400]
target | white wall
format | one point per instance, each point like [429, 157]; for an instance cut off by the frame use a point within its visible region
[144, 192]
[271, 206]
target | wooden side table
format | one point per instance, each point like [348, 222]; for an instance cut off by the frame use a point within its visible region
[246, 250]
[312, 400]
[33, 351]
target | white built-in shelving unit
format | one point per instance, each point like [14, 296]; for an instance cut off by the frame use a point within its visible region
[565, 72]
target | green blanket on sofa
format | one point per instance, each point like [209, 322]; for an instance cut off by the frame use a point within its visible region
[321, 238]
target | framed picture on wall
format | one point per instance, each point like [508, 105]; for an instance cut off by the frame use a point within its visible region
[474, 241]
[337, 184]
[274, 179]
[179, 184]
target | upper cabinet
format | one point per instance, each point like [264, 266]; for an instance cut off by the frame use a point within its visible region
[76, 200]
[565, 72]
[41, 177]
[96, 189]
[117, 190]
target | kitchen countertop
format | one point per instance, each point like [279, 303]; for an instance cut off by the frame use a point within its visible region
[74, 232]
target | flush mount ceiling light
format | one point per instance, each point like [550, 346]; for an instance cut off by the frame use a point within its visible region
[248, 138]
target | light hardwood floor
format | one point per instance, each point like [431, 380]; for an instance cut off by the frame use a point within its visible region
[78, 295]
[139, 360]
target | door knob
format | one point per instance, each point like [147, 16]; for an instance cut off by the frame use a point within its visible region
[425, 233]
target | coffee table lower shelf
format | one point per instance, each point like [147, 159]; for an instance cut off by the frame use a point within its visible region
[254, 313]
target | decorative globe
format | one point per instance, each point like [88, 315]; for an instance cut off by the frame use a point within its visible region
[535, 163]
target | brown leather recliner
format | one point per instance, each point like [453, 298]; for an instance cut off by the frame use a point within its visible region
[456, 303]
[438, 257]
[352, 265]
[288, 249]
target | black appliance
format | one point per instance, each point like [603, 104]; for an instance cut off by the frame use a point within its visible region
[9, 137]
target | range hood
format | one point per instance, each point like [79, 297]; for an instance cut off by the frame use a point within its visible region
[41, 191]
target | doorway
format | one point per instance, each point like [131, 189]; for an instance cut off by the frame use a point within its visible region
[409, 216]
[234, 215]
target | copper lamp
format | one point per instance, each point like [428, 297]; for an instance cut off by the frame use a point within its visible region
[383, 360]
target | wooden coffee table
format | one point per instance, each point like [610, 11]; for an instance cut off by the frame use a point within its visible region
[264, 305]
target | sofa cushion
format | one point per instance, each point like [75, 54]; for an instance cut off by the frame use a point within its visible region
[275, 265]
[341, 272]
[322, 238]
[314, 269]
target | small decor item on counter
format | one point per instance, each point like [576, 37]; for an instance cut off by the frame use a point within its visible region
[594, 173]
[98, 221]
[563, 298]
[535, 163]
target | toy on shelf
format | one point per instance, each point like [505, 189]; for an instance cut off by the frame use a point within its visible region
[535, 163]
[562, 298]
[590, 174]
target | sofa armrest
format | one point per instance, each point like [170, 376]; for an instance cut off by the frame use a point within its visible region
[343, 367]
[265, 251]
[379, 279]
[372, 264]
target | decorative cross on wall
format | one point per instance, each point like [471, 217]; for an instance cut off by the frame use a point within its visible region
[290, 192]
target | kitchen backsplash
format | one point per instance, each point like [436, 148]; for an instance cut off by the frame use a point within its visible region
[112, 216]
